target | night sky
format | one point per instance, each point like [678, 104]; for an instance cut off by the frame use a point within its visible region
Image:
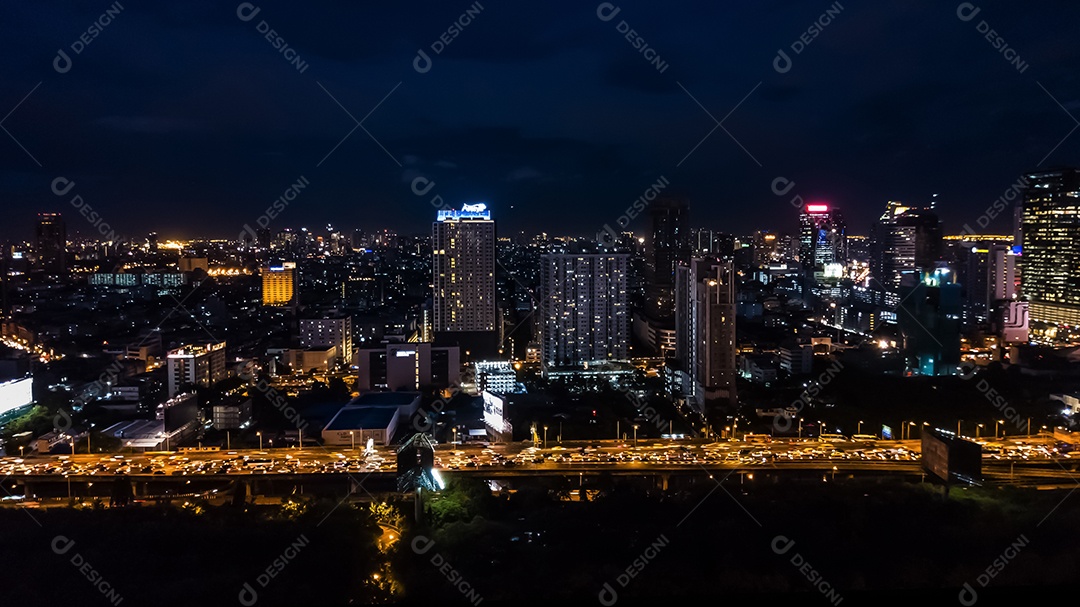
[182, 118]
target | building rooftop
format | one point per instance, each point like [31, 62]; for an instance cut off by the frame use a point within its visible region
[384, 399]
[355, 418]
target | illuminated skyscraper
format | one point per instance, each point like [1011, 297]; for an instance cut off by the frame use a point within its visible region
[464, 309]
[584, 307]
[903, 240]
[279, 284]
[822, 237]
[1051, 249]
[51, 248]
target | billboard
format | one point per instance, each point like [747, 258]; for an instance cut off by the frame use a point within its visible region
[950, 458]
[493, 410]
[15, 394]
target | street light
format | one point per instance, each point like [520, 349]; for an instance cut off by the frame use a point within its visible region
[545, 435]
[635, 435]
[958, 426]
[259, 434]
[997, 423]
[859, 431]
[910, 424]
[977, 430]
[353, 439]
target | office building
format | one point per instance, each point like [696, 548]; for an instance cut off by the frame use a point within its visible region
[311, 360]
[903, 240]
[463, 278]
[822, 237]
[51, 247]
[232, 415]
[1051, 246]
[410, 366]
[1000, 274]
[329, 332]
[668, 245]
[279, 284]
[190, 264]
[929, 316]
[705, 331]
[495, 376]
[583, 308]
[796, 358]
[200, 365]
[768, 248]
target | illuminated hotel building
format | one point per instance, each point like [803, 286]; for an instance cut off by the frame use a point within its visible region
[584, 308]
[1051, 249]
[822, 236]
[463, 270]
[202, 365]
[279, 284]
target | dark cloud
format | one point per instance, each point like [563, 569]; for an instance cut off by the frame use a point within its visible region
[181, 118]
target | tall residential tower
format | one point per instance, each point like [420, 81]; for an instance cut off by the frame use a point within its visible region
[584, 308]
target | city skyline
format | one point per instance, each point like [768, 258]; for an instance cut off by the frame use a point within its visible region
[772, 302]
[200, 123]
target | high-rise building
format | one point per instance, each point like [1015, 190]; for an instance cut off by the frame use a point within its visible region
[51, 248]
[279, 284]
[705, 331]
[768, 248]
[200, 365]
[1000, 274]
[903, 240]
[463, 271]
[584, 307]
[327, 332]
[930, 315]
[822, 237]
[711, 242]
[1051, 246]
[669, 244]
